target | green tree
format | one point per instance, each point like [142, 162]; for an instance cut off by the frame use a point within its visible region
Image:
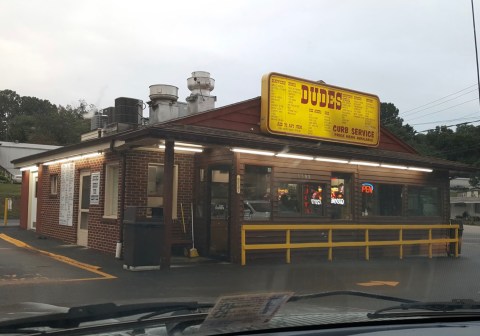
[389, 118]
[30, 119]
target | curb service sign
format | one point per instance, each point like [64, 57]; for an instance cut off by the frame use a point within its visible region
[302, 108]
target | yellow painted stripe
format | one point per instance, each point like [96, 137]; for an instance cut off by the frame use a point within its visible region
[66, 260]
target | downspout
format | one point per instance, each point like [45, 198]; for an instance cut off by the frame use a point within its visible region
[118, 249]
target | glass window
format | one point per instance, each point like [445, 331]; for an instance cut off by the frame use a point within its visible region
[288, 199]
[305, 199]
[477, 208]
[155, 187]
[313, 199]
[53, 184]
[111, 190]
[155, 180]
[256, 190]
[423, 201]
[340, 196]
[381, 199]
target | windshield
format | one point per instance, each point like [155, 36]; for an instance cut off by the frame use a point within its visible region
[216, 160]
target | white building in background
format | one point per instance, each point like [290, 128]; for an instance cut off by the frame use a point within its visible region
[464, 199]
[14, 150]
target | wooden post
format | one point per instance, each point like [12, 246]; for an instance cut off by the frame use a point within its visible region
[166, 248]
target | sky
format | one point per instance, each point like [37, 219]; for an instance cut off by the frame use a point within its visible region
[416, 54]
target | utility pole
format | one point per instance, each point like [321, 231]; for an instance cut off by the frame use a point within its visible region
[476, 51]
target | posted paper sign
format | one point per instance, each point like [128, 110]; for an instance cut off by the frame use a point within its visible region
[95, 189]
[243, 311]
[67, 186]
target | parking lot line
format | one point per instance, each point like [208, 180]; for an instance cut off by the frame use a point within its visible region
[61, 258]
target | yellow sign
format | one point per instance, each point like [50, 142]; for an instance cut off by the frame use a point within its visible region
[301, 108]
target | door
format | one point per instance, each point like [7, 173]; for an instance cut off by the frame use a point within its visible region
[83, 209]
[219, 213]
[32, 209]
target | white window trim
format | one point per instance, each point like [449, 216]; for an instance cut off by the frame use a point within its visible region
[108, 190]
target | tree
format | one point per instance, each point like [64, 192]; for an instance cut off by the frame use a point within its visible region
[389, 118]
[30, 119]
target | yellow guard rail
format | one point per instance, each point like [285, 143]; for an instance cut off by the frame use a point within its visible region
[330, 244]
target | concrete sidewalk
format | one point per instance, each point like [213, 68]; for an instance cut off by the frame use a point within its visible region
[106, 262]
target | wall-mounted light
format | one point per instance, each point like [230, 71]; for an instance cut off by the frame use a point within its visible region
[252, 151]
[333, 160]
[294, 156]
[30, 168]
[74, 158]
[364, 163]
[188, 144]
[384, 165]
[183, 149]
[426, 170]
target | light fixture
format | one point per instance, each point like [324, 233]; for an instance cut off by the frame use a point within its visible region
[30, 168]
[384, 165]
[188, 144]
[252, 151]
[364, 163]
[325, 159]
[294, 156]
[426, 170]
[73, 158]
[183, 149]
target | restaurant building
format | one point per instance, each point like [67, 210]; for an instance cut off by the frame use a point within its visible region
[303, 154]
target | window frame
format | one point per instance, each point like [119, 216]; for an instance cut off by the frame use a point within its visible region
[378, 186]
[159, 198]
[408, 189]
[54, 184]
[110, 209]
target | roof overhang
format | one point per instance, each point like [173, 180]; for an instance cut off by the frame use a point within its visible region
[153, 135]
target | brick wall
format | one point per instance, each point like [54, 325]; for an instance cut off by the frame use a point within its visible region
[137, 180]
[104, 233]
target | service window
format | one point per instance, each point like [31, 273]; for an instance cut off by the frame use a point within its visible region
[381, 199]
[155, 180]
[155, 187]
[423, 201]
[257, 194]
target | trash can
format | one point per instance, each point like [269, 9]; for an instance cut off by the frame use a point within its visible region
[142, 238]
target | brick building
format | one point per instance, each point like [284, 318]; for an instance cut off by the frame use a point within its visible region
[227, 167]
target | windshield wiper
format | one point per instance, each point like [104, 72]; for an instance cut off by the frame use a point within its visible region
[454, 307]
[349, 293]
[97, 312]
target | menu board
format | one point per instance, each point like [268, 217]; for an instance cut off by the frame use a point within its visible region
[67, 184]
[301, 108]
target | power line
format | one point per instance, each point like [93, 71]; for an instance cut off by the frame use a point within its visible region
[464, 123]
[448, 108]
[406, 113]
[439, 99]
[441, 121]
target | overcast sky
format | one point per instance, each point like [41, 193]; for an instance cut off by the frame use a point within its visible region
[409, 52]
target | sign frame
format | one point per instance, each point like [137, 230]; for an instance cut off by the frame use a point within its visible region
[266, 115]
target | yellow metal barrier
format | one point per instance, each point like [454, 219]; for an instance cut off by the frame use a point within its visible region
[330, 244]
